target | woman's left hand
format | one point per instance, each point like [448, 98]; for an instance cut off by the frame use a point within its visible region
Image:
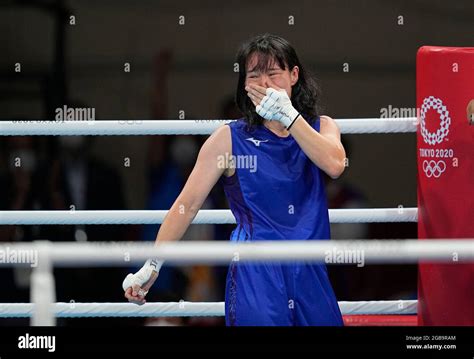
[272, 104]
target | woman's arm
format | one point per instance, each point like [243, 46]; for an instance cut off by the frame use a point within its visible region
[207, 170]
[210, 165]
[324, 148]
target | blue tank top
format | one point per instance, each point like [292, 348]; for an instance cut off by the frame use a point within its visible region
[276, 192]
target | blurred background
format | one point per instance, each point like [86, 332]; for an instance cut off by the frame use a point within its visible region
[172, 59]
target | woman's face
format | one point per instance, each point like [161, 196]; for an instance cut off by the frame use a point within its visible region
[273, 77]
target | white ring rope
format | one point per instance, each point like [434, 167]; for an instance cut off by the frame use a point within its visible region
[224, 252]
[180, 127]
[215, 216]
[186, 309]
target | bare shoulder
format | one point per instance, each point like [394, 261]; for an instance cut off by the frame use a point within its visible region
[222, 132]
[219, 145]
[219, 142]
[327, 121]
[328, 125]
[222, 136]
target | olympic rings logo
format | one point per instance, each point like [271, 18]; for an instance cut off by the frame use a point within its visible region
[433, 168]
[443, 130]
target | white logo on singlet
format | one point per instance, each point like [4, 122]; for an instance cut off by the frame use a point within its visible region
[255, 141]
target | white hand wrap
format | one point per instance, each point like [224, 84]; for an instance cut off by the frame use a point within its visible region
[143, 275]
[276, 106]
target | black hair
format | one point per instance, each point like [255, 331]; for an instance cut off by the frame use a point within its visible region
[305, 94]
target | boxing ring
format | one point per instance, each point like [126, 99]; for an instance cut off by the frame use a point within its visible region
[444, 250]
[44, 310]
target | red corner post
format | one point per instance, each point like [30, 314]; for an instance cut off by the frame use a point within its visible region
[445, 155]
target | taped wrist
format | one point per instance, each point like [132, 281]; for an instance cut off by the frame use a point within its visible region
[143, 275]
[145, 272]
[155, 263]
[293, 121]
